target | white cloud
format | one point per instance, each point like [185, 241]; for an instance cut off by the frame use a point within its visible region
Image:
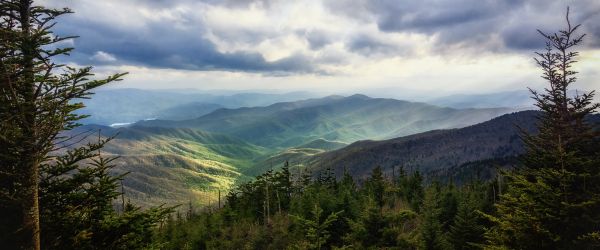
[322, 33]
[102, 56]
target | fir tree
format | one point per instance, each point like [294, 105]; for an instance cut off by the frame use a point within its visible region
[552, 201]
[376, 185]
[76, 205]
[431, 228]
[37, 101]
[467, 230]
[316, 228]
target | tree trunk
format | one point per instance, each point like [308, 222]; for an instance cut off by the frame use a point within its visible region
[30, 202]
[30, 209]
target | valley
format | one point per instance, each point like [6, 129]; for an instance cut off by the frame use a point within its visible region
[180, 161]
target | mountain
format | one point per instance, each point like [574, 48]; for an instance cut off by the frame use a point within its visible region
[177, 161]
[333, 118]
[492, 142]
[323, 144]
[295, 156]
[174, 165]
[111, 106]
[187, 111]
[433, 150]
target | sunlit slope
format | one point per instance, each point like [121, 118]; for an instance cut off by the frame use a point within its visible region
[296, 156]
[176, 166]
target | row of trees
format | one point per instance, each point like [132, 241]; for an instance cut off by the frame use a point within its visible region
[277, 211]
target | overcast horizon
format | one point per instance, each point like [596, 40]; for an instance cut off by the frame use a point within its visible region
[443, 48]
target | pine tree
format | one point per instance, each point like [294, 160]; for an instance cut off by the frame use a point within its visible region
[467, 230]
[431, 228]
[553, 200]
[376, 185]
[317, 229]
[76, 205]
[37, 101]
[411, 189]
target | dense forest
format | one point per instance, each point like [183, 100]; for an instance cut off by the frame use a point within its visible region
[279, 211]
[56, 197]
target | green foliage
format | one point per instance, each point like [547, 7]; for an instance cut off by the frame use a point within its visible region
[467, 230]
[317, 232]
[77, 209]
[58, 195]
[431, 228]
[329, 214]
[553, 200]
[411, 189]
[376, 185]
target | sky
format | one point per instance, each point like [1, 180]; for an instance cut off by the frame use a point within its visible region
[432, 47]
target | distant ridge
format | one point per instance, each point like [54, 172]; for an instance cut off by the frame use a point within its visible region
[434, 151]
[333, 118]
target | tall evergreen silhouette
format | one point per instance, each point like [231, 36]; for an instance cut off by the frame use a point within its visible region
[56, 191]
[553, 200]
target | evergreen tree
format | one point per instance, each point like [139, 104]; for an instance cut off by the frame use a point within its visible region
[448, 206]
[367, 230]
[283, 187]
[431, 228]
[553, 200]
[76, 205]
[316, 228]
[467, 230]
[411, 189]
[376, 185]
[37, 101]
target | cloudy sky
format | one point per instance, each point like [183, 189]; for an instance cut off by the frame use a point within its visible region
[442, 47]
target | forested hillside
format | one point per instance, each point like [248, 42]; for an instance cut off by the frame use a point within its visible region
[173, 165]
[175, 162]
[434, 150]
[335, 118]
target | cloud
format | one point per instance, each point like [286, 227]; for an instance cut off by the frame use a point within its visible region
[433, 44]
[317, 39]
[367, 45]
[151, 37]
[478, 24]
[102, 56]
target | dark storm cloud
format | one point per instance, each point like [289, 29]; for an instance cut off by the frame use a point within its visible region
[483, 25]
[367, 45]
[476, 23]
[163, 46]
[317, 39]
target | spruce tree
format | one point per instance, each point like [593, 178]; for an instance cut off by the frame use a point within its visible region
[37, 101]
[317, 229]
[76, 205]
[376, 185]
[553, 199]
[467, 230]
[431, 229]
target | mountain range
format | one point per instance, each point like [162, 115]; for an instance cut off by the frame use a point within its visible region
[333, 118]
[178, 161]
[125, 106]
[439, 153]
